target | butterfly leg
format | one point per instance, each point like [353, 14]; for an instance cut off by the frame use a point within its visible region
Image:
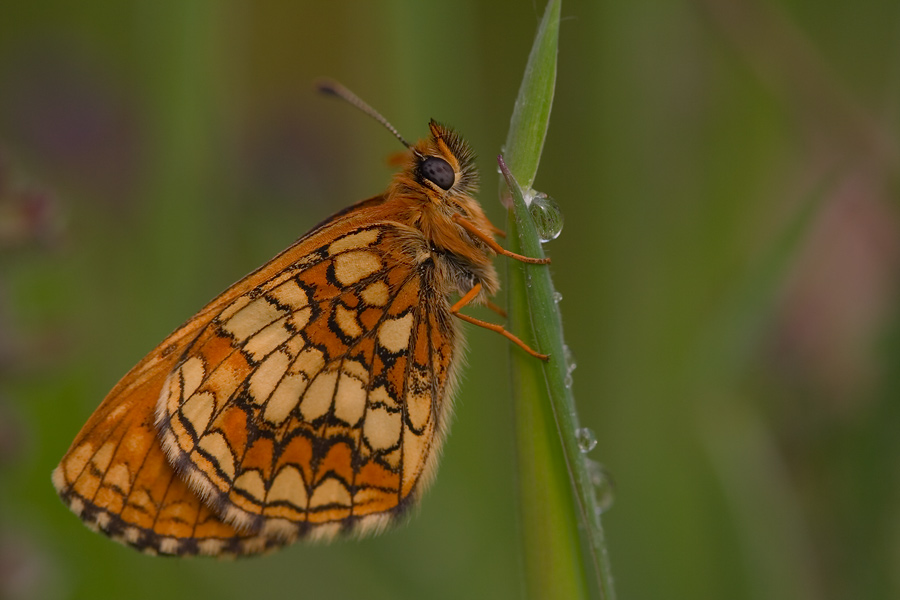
[465, 300]
[496, 309]
[493, 245]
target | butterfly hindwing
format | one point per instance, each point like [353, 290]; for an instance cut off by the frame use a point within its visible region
[312, 403]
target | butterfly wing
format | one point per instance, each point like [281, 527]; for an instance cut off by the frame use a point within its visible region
[259, 460]
[117, 478]
[315, 402]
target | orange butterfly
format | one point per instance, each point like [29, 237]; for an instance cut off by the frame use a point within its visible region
[310, 398]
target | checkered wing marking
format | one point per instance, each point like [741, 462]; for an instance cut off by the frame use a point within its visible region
[315, 403]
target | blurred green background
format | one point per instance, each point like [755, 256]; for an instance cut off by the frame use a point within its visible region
[729, 270]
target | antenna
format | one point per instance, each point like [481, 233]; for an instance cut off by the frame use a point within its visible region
[333, 88]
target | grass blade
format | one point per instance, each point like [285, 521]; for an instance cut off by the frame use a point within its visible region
[557, 498]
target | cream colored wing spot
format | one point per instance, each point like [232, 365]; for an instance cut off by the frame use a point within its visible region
[103, 520]
[216, 447]
[309, 362]
[330, 491]
[288, 486]
[131, 534]
[169, 546]
[290, 294]
[198, 410]
[356, 369]
[170, 396]
[393, 334]
[239, 303]
[376, 294]
[295, 345]
[352, 266]
[284, 399]
[267, 339]
[300, 318]
[346, 320]
[317, 399]
[210, 547]
[251, 483]
[418, 407]
[415, 451]
[193, 370]
[353, 241]
[251, 318]
[267, 375]
[77, 506]
[382, 428]
[350, 399]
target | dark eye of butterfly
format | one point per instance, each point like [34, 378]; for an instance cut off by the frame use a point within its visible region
[439, 171]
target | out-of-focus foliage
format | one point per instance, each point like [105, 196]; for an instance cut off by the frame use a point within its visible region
[728, 175]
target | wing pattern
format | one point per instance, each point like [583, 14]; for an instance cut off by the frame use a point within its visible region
[312, 405]
[307, 400]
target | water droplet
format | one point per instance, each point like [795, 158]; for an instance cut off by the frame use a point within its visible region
[587, 440]
[568, 381]
[604, 486]
[548, 219]
[557, 297]
[570, 359]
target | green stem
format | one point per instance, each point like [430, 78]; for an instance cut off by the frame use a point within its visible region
[557, 496]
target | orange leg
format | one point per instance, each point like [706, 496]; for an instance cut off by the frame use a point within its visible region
[465, 300]
[493, 245]
[496, 309]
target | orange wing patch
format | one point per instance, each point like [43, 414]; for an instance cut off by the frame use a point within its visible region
[309, 405]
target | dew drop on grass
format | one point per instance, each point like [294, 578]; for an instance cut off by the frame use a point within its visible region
[604, 487]
[570, 359]
[587, 440]
[548, 219]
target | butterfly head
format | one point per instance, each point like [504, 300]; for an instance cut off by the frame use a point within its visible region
[434, 194]
[443, 164]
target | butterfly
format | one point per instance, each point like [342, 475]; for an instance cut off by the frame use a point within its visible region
[312, 397]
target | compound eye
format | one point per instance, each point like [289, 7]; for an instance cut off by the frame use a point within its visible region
[438, 171]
